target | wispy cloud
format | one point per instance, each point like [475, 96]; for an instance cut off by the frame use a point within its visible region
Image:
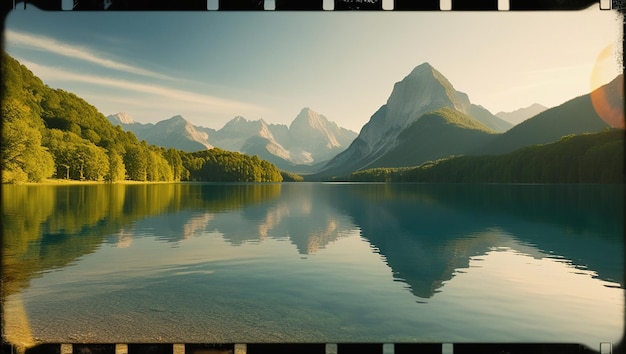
[211, 103]
[76, 52]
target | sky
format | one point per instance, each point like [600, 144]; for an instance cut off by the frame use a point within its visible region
[210, 67]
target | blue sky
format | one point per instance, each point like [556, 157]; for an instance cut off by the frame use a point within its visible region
[210, 67]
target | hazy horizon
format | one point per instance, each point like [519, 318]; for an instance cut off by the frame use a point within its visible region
[210, 67]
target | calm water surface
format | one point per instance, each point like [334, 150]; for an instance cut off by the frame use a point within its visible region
[313, 263]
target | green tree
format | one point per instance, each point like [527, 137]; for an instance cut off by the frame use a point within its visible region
[136, 163]
[91, 135]
[92, 162]
[176, 162]
[22, 157]
[158, 169]
[77, 158]
[117, 170]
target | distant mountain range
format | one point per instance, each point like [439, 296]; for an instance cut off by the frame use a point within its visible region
[310, 138]
[520, 115]
[175, 132]
[425, 118]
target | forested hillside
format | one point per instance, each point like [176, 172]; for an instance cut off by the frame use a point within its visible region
[435, 135]
[575, 116]
[51, 133]
[585, 158]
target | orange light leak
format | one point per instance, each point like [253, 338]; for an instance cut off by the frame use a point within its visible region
[607, 100]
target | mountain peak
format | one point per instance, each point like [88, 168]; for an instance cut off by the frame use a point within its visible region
[122, 117]
[311, 119]
[538, 106]
[422, 91]
[177, 117]
[307, 112]
[316, 133]
[236, 122]
[421, 69]
[175, 120]
[425, 71]
[519, 115]
[239, 119]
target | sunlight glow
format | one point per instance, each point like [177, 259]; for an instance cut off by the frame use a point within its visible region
[607, 103]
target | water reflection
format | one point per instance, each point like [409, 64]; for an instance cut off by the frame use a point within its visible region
[424, 232]
[305, 252]
[47, 227]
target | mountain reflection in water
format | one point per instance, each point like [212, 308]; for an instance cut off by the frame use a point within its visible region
[422, 236]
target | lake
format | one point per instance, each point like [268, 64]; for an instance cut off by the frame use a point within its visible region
[313, 262]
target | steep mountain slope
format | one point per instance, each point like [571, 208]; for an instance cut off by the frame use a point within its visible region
[261, 142]
[482, 115]
[309, 140]
[121, 118]
[257, 138]
[575, 116]
[312, 134]
[422, 140]
[127, 123]
[175, 132]
[168, 132]
[520, 115]
[235, 133]
[423, 90]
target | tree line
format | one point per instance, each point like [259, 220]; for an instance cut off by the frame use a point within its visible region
[51, 133]
[585, 158]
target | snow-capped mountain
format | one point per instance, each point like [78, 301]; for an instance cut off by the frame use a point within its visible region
[424, 90]
[310, 138]
[175, 132]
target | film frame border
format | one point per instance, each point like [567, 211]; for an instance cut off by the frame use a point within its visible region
[313, 5]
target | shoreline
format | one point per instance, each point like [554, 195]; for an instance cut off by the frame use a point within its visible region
[52, 181]
[64, 182]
